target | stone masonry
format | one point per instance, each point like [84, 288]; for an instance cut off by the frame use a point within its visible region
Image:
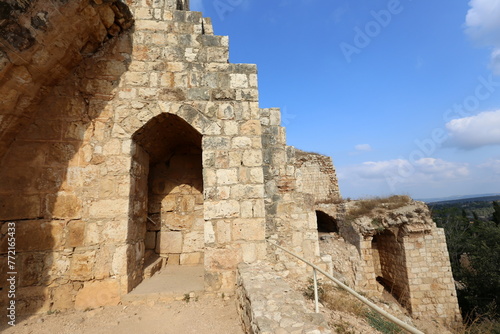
[402, 251]
[267, 304]
[125, 133]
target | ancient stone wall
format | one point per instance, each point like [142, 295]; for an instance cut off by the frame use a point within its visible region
[76, 178]
[431, 284]
[403, 252]
[51, 177]
[291, 219]
[316, 175]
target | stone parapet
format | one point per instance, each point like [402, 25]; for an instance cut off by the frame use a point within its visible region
[267, 304]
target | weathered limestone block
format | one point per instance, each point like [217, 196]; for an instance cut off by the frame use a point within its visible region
[169, 242]
[20, 207]
[32, 299]
[109, 208]
[64, 205]
[248, 229]
[82, 265]
[193, 242]
[75, 233]
[98, 293]
[39, 235]
[227, 176]
[30, 268]
[221, 209]
[222, 258]
[63, 297]
[191, 258]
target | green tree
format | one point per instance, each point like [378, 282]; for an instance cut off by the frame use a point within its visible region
[481, 278]
[474, 248]
[496, 213]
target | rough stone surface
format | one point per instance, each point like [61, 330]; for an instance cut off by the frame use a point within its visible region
[267, 304]
[402, 251]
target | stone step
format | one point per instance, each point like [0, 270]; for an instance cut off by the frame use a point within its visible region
[153, 264]
[173, 282]
[163, 297]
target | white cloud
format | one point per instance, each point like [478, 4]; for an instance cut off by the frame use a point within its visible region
[423, 178]
[363, 147]
[197, 5]
[475, 131]
[440, 169]
[495, 61]
[407, 171]
[379, 169]
[483, 26]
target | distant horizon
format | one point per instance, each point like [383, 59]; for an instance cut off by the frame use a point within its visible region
[431, 199]
[458, 197]
[405, 99]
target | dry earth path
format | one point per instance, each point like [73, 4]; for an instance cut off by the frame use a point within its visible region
[208, 315]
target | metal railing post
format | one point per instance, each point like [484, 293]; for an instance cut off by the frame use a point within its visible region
[315, 291]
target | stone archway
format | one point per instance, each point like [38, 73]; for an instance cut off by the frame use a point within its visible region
[326, 223]
[166, 193]
[389, 261]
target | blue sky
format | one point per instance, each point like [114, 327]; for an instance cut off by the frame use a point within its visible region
[403, 95]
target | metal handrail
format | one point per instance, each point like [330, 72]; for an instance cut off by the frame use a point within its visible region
[374, 307]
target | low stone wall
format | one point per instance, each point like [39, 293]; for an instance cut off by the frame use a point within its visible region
[267, 304]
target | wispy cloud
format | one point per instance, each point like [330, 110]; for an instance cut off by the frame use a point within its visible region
[338, 14]
[416, 177]
[425, 169]
[476, 131]
[483, 26]
[423, 173]
[495, 61]
[360, 149]
[363, 147]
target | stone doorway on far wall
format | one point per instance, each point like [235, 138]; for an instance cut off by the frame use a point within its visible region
[174, 181]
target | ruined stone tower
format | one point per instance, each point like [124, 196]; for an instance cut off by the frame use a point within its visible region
[124, 133]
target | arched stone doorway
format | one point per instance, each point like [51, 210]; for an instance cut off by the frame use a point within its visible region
[389, 261]
[167, 192]
[326, 223]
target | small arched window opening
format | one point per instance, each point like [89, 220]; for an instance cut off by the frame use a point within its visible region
[326, 223]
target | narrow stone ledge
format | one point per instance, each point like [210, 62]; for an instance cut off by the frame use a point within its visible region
[267, 304]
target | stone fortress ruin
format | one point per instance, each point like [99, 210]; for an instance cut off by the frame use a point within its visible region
[126, 137]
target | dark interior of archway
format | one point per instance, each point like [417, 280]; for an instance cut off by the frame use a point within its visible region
[326, 223]
[163, 134]
[389, 274]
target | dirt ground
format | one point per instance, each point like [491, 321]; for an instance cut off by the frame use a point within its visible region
[208, 315]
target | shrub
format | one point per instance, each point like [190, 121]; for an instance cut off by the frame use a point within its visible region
[367, 207]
